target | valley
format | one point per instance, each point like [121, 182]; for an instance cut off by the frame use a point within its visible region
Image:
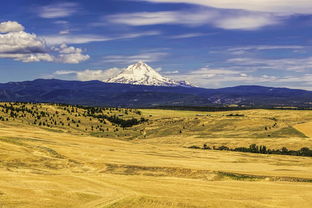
[148, 163]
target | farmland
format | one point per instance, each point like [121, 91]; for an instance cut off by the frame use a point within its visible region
[82, 157]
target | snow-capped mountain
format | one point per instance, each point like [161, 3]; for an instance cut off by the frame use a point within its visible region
[142, 74]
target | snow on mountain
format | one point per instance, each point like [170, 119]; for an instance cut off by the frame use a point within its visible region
[142, 74]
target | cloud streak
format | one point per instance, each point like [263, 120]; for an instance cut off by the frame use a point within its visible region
[281, 7]
[89, 38]
[232, 20]
[58, 10]
[147, 57]
[283, 64]
[187, 35]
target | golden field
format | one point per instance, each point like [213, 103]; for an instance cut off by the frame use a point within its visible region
[148, 165]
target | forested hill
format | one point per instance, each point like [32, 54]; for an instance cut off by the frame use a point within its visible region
[96, 93]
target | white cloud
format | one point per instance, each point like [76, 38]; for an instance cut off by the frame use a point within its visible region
[143, 18]
[187, 35]
[70, 54]
[73, 58]
[163, 17]
[10, 26]
[238, 20]
[247, 49]
[171, 72]
[88, 74]
[64, 49]
[74, 39]
[213, 72]
[204, 77]
[283, 64]
[61, 22]
[21, 42]
[234, 14]
[216, 78]
[145, 57]
[61, 72]
[101, 75]
[247, 22]
[80, 39]
[137, 35]
[210, 77]
[58, 10]
[19, 45]
[282, 7]
[26, 47]
[64, 32]
[28, 57]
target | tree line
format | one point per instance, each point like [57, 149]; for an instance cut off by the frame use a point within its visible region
[119, 121]
[37, 115]
[262, 149]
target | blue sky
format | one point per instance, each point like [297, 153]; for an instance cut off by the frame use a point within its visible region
[210, 43]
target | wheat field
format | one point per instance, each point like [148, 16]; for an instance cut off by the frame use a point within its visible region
[148, 165]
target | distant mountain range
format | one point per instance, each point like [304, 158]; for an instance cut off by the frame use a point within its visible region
[142, 74]
[97, 93]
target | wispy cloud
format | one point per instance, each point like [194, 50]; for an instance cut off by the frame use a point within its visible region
[282, 7]
[283, 64]
[74, 39]
[232, 20]
[187, 35]
[247, 21]
[266, 47]
[88, 38]
[147, 57]
[64, 32]
[58, 10]
[161, 17]
[210, 77]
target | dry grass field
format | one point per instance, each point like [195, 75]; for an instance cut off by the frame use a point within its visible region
[305, 128]
[148, 164]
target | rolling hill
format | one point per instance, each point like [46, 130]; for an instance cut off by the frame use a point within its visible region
[60, 165]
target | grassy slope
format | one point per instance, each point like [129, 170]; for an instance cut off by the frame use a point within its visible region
[163, 123]
[253, 123]
[47, 168]
[305, 128]
[70, 119]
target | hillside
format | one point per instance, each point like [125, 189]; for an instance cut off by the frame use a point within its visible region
[131, 124]
[65, 166]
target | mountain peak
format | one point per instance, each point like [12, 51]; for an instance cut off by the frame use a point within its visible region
[140, 62]
[142, 74]
[140, 66]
